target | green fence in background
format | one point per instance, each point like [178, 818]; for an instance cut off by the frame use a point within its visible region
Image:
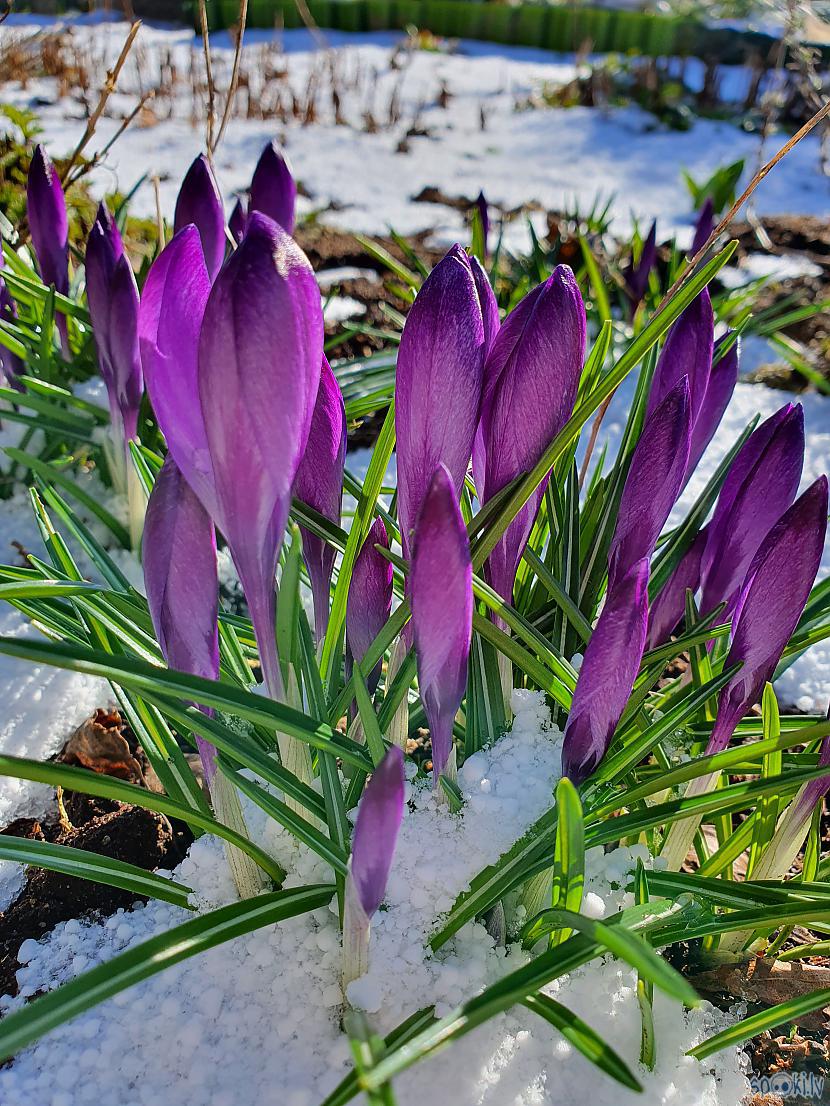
[559, 27]
[549, 27]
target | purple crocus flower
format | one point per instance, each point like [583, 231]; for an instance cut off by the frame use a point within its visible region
[748, 507]
[704, 226]
[273, 190]
[653, 483]
[319, 485]
[487, 302]
[238, 219]
[609, 669]
[373, 848]
[773, 597]
[199, 202]
[441, 589]
[637, 273]
[721, 384]
[49, 228]
[531, 378]
[670, 605]
[687, 352]
[112, 295]
[173, 303]
[11, 366]
[180, 577]
[260, 352]
[438, 384]
[370, 601]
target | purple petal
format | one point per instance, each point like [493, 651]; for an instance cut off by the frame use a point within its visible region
[531, 378]
[48, 225]
[319, 485]
[773, 597]
[126, 383]
[687, 352]
[441, 589]
[238, 220]
[612, 660]
[370, 601]
[179, 554]
[722, 380]
[636, 276]
[172, 306]
[11, 366]
[653, 482]
[438, 384]
[260, 352]
[49, 228]
[273, 191]
[704, 226]
[376, 830]
[670, 605]
[768, 488]
[199, 202]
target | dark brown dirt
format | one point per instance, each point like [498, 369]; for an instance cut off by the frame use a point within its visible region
[127, 833]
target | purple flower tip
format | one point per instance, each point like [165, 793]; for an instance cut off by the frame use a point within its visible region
[441, 593]
[273, 190]
[376, 830]
[370, 601]
[199, 202]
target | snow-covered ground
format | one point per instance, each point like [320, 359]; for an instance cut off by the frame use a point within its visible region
[208, 1033]
[551, 156]
[211, 1019]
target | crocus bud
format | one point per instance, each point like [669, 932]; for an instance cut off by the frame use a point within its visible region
[180, 577]
[670, 605]
[637, 273]
[772, 599]
[238, 219]
[373, 847]
[370, 601]
[273, 191]
[721, 384]
[487, 302]
[170, 317]
[653, 483]
[747, 509]
[531, 375]
[49, 228]
[687, 352]
[319, 485]
[199, 202]
[484, 218]
[438, 384]
[609, 669]
[11, 365]
[441, 589]
[260, 352]
[112, 295]
[704, 226]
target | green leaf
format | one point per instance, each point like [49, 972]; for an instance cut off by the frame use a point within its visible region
[107, 787]
[568, 855]
[368, 718]
[91, 866]
[156, 681]
[20, 1028]
[767, 1019]
[583, 1038]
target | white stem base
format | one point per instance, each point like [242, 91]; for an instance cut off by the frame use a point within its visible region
[248, 877]
[399, 726]
[682, 833]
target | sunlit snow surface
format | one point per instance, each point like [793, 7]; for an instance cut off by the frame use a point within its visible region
[257, 1020]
